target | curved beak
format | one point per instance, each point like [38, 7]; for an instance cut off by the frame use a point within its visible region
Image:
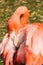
[14, 38]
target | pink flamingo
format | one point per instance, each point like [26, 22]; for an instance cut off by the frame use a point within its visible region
[33, 48]
[11, 38]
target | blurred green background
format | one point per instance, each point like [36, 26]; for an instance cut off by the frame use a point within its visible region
[7, 7]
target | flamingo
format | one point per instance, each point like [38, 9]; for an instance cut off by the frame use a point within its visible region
[7, 44]
[19, 19]
[9, 41]
[34, 54]
[33, 48]
[34, 43]
[32, 51]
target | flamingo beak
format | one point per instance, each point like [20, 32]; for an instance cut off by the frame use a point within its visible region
[13, 36]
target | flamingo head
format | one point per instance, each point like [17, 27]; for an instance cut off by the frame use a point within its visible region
[18, 19]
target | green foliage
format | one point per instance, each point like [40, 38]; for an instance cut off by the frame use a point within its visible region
[1, 62]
